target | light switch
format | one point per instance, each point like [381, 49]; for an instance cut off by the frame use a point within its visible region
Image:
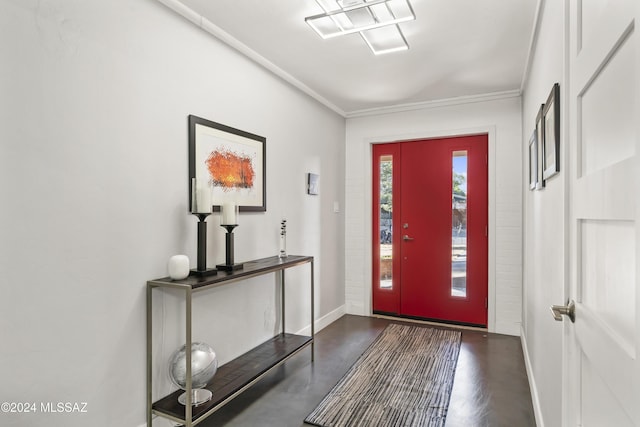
[336, 207]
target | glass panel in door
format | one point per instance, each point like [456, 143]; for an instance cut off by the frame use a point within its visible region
[459, 224]
[385, 219]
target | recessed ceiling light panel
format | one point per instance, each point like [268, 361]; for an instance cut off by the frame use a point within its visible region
[356, 16]
[385, 40]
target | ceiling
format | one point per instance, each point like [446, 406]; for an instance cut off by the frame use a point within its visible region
[457, 48]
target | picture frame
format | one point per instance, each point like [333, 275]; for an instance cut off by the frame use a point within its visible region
[540, 142]
[551, 146]
[231, 160]
[533, 161]
[313, 184]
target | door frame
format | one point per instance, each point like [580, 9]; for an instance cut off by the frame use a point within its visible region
[490, 131]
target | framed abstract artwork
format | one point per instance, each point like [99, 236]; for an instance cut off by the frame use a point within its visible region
[232, 161]
[551, 145]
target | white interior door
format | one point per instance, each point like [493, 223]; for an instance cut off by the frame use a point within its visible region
[602, 372]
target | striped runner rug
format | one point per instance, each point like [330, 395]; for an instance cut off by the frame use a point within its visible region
[403, 379]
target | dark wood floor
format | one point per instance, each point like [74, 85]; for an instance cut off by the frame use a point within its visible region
[490, 388]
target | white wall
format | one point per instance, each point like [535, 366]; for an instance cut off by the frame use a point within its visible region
[93, 162]
[500, 118]
[544, 235]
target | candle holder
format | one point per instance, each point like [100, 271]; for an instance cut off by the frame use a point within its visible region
[282, 253]
[202, 270]
[229, 221]
[201, 207]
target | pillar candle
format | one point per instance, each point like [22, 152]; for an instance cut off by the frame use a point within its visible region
[203, 199]
[229, 216]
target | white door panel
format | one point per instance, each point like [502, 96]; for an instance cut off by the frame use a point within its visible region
[594, 199]
[607, 250]
[601, 368]
[600, 410]
[606, 129]
[591, 50]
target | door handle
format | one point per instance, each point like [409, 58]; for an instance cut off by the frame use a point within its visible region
[568, 310]
[407, 238]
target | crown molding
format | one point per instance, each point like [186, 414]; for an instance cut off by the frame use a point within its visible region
[533, 41]
[435, 104]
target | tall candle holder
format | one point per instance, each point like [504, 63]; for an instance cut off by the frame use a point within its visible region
[229, 221]
[282, 253]
[201, 207]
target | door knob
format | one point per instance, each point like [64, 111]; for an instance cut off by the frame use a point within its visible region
[407, 238]
[568, 310]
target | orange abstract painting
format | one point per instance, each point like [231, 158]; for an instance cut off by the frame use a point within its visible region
[230, 170]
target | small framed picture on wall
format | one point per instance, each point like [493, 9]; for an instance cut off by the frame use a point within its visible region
[533, 161]
[313, 184]
[551, 146]
[539, 143]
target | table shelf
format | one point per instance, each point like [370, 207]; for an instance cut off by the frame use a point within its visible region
[254, 268]
[236, 376]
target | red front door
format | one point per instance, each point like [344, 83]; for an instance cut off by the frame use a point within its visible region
[432, 223]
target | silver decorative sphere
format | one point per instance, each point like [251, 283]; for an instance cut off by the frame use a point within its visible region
[204, 364]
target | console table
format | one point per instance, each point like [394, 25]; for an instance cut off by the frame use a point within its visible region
[241, 373]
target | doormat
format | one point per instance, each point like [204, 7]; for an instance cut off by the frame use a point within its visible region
[403, 379]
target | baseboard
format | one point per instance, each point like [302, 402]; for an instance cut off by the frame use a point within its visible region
[508, 328]
[532, 381]
[324, 321]
[159, 422]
